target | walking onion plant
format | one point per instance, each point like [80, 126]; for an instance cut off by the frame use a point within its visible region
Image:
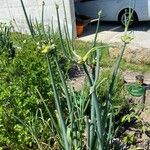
[76, 129]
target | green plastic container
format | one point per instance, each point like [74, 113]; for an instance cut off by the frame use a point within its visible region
[136, 90]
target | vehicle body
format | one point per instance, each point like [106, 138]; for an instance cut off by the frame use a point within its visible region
[113, 10]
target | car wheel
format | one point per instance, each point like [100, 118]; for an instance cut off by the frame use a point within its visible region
[124, 18]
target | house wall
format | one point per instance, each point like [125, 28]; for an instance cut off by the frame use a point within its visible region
[11, 10]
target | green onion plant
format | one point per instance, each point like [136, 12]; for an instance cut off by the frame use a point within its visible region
[76, 129]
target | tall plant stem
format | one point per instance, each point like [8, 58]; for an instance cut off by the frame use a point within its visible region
[64, 130]
[60, 33]
[109, 100]
[67, 28]
[43, 14]
[64, 85]
[95, 73]
[97, 110]
[97, 29]
[27, 19]
[115, 72]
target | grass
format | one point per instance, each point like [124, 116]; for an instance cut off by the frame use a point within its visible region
[82, 47]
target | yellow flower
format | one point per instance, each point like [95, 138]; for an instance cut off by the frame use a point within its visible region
[82, 60]
[127, 38]
[48, 48]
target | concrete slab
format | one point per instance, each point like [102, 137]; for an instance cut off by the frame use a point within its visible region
[110, 30]
[137, 51]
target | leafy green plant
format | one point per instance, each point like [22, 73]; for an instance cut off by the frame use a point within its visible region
[18, 96]
[129, 139]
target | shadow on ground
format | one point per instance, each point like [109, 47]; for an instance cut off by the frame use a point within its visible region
[114, 26]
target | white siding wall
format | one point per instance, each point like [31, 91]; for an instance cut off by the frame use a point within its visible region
[12, 10]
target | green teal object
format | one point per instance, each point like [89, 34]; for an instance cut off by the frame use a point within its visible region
[135, 90]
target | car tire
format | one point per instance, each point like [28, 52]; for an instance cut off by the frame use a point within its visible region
[124, 14]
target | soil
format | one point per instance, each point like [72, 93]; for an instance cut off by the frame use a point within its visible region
[77, 77]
